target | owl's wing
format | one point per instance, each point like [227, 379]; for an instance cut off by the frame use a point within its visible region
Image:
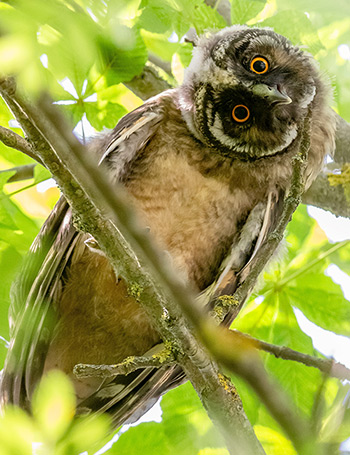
[31, 313]
[42, 277]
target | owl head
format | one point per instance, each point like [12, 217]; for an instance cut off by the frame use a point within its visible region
[246, 91]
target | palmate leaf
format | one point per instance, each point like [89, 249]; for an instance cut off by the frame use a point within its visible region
[121, 64]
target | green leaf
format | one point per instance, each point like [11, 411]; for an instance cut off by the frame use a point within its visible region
[16, 228]
[123, 63]
[17, 432]
[341, 258]
[104, 115]
[274, 442]
[85, 434]
[74, 111]
[274, 321]
[299, 231]
[41, 174]
[186, 424]
[147, 438]
[322, 301]
[157, 16]
[296, 27]
[185, 428]
[4, 177]
[243, 11]
[197, 14]
[53, 405]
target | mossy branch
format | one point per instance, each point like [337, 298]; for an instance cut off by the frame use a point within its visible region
[161, 291]
[163, 358]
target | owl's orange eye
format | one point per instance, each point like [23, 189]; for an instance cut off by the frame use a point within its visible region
[259, 65]
[240, 113]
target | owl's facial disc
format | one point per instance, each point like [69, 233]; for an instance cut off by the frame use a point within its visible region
[246, 90]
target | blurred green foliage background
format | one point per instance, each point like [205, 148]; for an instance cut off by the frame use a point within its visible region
[81, 52]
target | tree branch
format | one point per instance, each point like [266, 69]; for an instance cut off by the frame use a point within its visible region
[24, 172]
[332, 198]
[161, 291]
[149, 83]
[15, 141]
[327, 366]
[163, 358]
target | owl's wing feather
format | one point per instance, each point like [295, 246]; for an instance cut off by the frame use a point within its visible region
[41, 279]
[130, 136]
[33, 292]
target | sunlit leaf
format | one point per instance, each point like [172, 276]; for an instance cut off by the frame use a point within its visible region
[322, 301]
[17, 432]
[297, 27]
[242, 11]
[148, 438]
[53, 405]
[274, 442]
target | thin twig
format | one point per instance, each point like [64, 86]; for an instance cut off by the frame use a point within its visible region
[15, 141]
[327, 366]
[25, 172]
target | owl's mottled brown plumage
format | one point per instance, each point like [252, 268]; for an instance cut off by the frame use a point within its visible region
[202, 179]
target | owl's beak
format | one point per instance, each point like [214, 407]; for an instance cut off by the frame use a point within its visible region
[273, 94]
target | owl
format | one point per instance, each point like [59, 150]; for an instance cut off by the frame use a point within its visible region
[206, 166]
